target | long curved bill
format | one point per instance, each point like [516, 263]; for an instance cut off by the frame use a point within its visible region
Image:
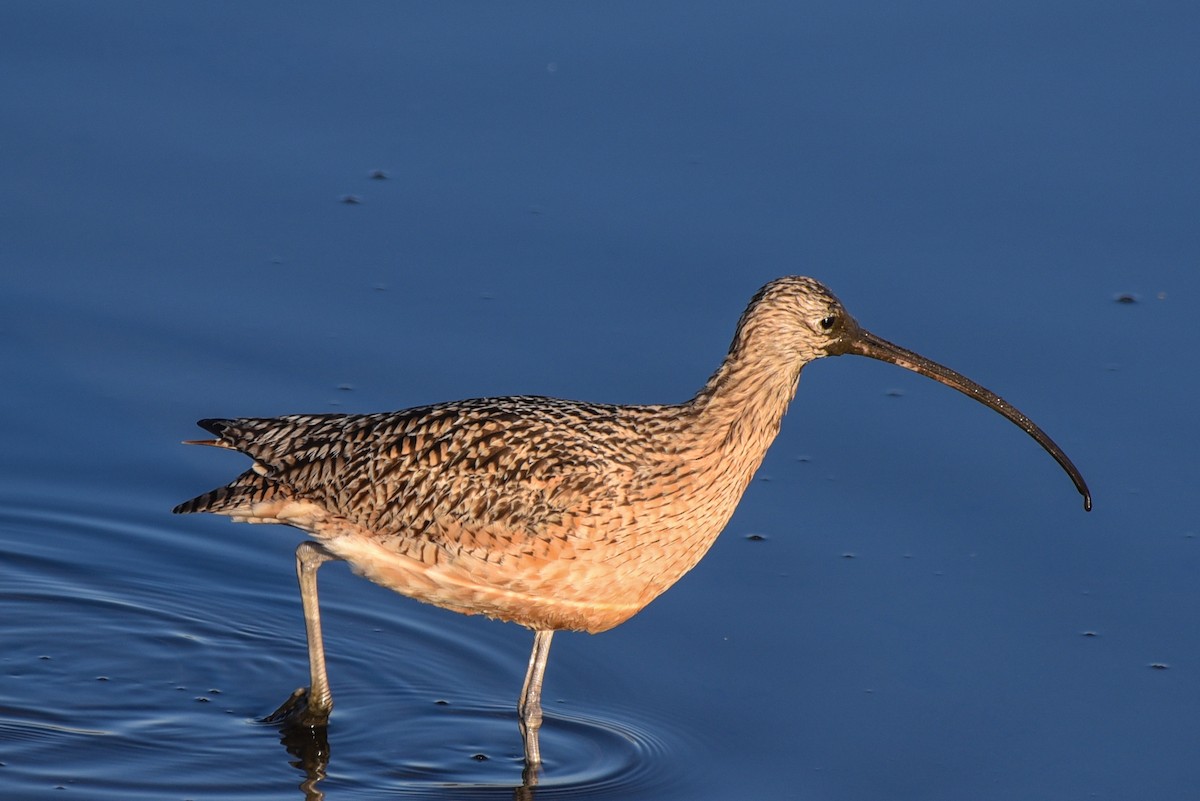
[863, 343]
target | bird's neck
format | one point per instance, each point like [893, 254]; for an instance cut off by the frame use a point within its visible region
[740, 408]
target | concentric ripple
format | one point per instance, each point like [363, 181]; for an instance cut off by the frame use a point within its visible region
[139, 656]
[467, 750]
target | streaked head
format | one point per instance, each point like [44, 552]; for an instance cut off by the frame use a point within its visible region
[803, 318]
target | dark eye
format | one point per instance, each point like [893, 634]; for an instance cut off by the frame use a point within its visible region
[829, 322]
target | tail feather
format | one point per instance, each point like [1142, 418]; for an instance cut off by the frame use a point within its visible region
[212, 443]
[217, 426]
[269, 442]
[234, 498]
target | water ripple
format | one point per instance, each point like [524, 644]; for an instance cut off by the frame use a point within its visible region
[450, 750]
[142, 656]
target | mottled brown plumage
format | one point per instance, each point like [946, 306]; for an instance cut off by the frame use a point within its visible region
[531, 510]
[550, 513]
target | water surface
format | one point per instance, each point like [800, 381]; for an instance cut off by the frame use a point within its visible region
[579, 201]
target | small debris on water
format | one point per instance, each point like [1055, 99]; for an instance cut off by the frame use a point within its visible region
[200, 699]
[345, 387]
[1160, 666]
[1089, 634]
[378, 175]
[351, 200]
[480, 757]
[756, 537]
[1125, 297]
[442, 702]
[894, 393]
[102, 678]
[849, 555]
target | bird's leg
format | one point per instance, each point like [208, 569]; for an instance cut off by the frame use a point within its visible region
[309, 706]
[309, 557]
[530, 706]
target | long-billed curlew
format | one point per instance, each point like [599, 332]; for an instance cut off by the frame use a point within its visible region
[550, 513]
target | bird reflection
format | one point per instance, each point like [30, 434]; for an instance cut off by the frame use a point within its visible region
[309, 747]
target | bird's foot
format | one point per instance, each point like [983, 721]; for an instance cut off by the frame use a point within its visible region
[299, 710]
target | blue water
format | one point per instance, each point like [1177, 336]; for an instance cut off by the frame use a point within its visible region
[579, 200]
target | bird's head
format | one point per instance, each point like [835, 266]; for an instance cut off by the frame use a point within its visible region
[795, 320]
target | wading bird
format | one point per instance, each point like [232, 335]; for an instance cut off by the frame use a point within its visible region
[554, 514]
